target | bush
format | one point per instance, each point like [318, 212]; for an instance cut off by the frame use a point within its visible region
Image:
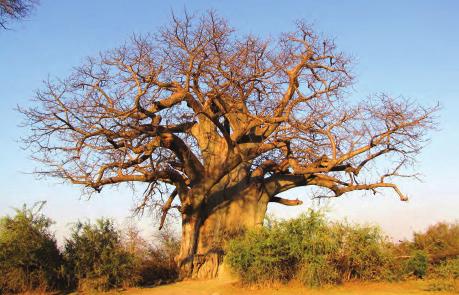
[417, 264]
[440, 241]
[95, 258]
[448, 269]
[445, 276]
[29, 257]
[154, 262]
[313, 245]
[312, 250]
[363, 253]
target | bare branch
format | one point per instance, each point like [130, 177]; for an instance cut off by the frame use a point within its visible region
[285, 202]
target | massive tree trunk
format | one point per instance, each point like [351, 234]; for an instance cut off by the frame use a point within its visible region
[224, 214]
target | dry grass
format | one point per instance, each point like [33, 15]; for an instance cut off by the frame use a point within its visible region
[226, 287]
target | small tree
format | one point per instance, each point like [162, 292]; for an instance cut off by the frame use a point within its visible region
[218, 124]
[29, 257]
[96, 259]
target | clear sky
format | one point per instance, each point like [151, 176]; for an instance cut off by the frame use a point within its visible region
[407, 48]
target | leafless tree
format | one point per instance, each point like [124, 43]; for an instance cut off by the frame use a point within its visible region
[220, 124]
[15, 10]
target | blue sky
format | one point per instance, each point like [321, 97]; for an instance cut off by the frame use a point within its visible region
[407, 48]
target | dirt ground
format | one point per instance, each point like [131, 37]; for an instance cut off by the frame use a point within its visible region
[225, 287]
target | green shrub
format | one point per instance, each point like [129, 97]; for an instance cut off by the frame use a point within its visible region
[448, 269]
[445, 276]
[29, 257]
[312, 250]
[363, 253]
[258, 257]
[313, 245]
[417, 264]
[95, 258]
[270, 253]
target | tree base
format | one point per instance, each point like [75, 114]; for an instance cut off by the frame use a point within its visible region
[201, 266]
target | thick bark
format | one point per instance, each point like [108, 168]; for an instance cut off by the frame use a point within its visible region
[205, 229]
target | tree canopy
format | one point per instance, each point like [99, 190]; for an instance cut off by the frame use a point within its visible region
[196, 100]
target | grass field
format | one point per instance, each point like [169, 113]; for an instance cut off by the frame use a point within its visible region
[225, 287]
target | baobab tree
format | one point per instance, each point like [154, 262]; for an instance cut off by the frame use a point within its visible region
[217, 125]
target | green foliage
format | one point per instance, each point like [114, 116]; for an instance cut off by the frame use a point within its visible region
[363, 252]
[445, 276]
[258, 256]
[448, 269]
[95, 258]
[313, 245]
[312, 250]
[417, 264]
[29, 257]
[309, 249]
